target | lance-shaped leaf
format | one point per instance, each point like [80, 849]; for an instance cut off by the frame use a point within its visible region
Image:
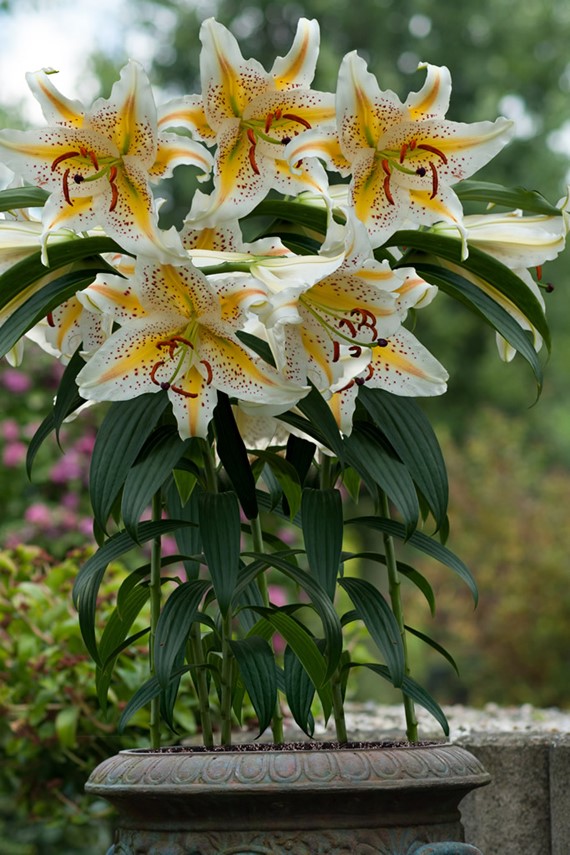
[299, 691]
[321, 602]
[435, 646]
[300, 453]
[368, 453]
[308, 653]
[490, 311]
[317, 411]
[188, 539]
[412, 689]
[425, 544]
[162, 452]
[256, 665]
[481, 265]
[321, 513]
[232, 452]
[174, 624]
[90, 575]
[22, 197]
[375, 613]
[410, 433]
[221, 531]
[44, 301]
[144, 695]
[286, 476]
[410, 573]
[507, 197]
[124, 431]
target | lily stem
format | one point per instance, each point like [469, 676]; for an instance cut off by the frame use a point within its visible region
[326, 481]
[155, 604]
[398, 611]
[226, 680]
[201, 682]
[257, 540]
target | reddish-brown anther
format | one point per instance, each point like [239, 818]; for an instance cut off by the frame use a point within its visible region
[63, 157]
[434, 179]
[433, 150]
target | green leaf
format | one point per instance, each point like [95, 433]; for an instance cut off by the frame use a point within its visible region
[303, 425]
[22, 197]
[424, 543]
[144, 695]
[377, 616]
[304, 215]
[90, 575]
[68, 398]
[410, 433]
[124, 431]
[318, 412]
[486, 308]
[307, 652]
[233, 454]
[319, 598]
[287, 477]
[221, 532]
[299, 691]
[174, 624]
[366, 451]
[161, 453]
[104, 675]
[409, 572]
[260, 347]
[257, 670]
[43, 301]
[46, 428]
[507, 197]
[30, 271]
[412, 689]
[300, 453]
[121, 620]
[65, 725]
[188, 539]
[433, 644]
[321, 513]
[481, 265]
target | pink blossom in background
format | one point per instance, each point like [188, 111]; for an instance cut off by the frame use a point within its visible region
[10, 430]
[14, 454]
[15, 381]
[39, 514]
[70, 501]
[68, 468]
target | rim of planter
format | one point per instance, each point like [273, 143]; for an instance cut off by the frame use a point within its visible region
[241, 769]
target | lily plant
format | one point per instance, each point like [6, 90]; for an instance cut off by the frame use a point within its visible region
[257, 371]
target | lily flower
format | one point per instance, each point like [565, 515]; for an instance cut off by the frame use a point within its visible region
[251, 115]
[174, 336]
[515, 240]
[403, 157]
[97, 163]
[401, 365]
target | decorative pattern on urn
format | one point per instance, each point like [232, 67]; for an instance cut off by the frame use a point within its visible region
[246, 769]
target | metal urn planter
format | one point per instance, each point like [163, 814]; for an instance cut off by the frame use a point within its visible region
[372, 800]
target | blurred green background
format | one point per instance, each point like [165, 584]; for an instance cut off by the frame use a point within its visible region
[508, 459]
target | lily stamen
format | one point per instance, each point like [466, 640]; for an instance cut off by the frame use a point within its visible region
[433, 150]
[251, 152]
[208, 368]
[336, 351]
[368, 320]
[344, 322]
[293, 118]
[355, 351]
[63, 157]
[434, 179]
[183, 392]
[66, 195]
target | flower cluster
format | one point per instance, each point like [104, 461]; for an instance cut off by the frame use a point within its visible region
[261, 357]
[173, 309]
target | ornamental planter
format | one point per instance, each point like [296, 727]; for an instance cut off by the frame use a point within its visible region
[384, 799]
